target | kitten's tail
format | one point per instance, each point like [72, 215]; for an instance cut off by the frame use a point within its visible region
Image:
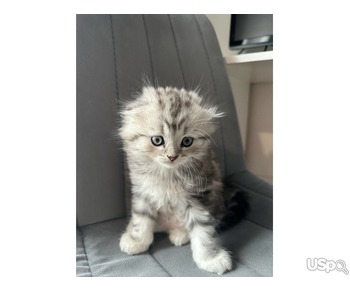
[237, 206]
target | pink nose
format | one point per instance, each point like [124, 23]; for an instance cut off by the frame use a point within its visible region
[172, 158]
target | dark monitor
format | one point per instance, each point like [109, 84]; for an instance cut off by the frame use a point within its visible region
[251, 31]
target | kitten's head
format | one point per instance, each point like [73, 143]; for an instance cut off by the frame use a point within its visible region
[168, 126]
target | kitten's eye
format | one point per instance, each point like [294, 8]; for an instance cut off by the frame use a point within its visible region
[186, 142]
[157, 140]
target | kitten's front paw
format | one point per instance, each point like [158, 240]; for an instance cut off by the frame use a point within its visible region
[132, 246]
[219, 263]
[178, 237]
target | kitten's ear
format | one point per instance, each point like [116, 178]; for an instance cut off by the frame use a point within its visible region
[127, 133]
[122, 133]
[127, 130]
[206, 119]
[215, 113]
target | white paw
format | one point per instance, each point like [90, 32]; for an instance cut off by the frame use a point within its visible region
[219, 263]
[179, 237]
[132, 246]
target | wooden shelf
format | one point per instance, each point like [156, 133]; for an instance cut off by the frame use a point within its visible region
[250, 57]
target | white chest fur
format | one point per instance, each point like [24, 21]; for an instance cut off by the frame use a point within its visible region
[168, 197]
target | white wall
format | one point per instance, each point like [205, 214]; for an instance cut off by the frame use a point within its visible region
[251, 85]
[239, 76]
[259, 150]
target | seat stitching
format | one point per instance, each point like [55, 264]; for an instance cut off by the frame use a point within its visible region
[257, 224]
[149, 49]
[159, 263]
[118, 104]
[240, 260]
[251, 190]
[84, 249]
[177, 51]
[249, 267]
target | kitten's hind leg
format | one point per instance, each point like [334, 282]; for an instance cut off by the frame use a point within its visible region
[138, 235]
[179, 236]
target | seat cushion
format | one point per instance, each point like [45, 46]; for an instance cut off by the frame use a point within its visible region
[98, 253]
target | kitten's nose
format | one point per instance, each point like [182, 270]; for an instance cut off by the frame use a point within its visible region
[172, 158]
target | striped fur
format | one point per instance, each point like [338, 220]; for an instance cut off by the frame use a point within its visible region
[175, 188]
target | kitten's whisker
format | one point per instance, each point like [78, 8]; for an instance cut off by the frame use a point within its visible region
[201, 122]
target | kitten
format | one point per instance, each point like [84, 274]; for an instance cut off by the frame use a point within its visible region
[176, 183]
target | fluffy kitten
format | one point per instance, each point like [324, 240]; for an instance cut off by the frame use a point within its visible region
[176, 183]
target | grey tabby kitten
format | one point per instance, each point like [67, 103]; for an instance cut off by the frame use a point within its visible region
[176, 183]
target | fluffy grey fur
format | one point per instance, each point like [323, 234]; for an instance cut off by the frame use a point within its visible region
[176, 183]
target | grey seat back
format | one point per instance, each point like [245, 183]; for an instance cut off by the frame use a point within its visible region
[113, 53]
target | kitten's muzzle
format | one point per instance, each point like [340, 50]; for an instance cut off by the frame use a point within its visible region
[172, 158]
